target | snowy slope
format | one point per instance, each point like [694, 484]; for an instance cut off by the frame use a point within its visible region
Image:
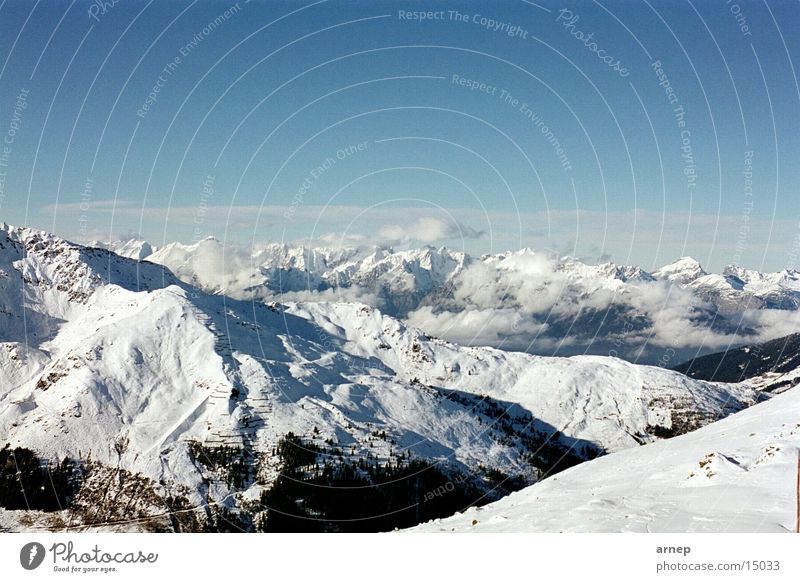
[597, 399]
[736, 475]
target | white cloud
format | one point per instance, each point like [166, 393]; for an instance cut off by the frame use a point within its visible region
[105, 205]
[516, 301]
[340, 294]
[427, 230]
[505, 328]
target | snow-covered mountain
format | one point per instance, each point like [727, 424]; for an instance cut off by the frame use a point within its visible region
[193, 397]
[685, 271]
[736, 287]
[394, 281]
[736, 475]
[521, 301]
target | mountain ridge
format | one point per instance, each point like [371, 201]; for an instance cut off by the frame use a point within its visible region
[773, 365]
[516, 300]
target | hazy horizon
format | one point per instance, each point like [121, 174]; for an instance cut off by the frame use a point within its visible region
[483, 128]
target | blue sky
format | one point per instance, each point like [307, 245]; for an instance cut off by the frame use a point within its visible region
[509, 124]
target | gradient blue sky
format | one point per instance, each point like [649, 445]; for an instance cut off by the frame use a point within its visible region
[277, 88]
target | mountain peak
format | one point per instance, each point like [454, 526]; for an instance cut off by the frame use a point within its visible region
[686, 262]
[685, 270]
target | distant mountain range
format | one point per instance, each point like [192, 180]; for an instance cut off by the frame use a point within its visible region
[520, 301]
[170, 408]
